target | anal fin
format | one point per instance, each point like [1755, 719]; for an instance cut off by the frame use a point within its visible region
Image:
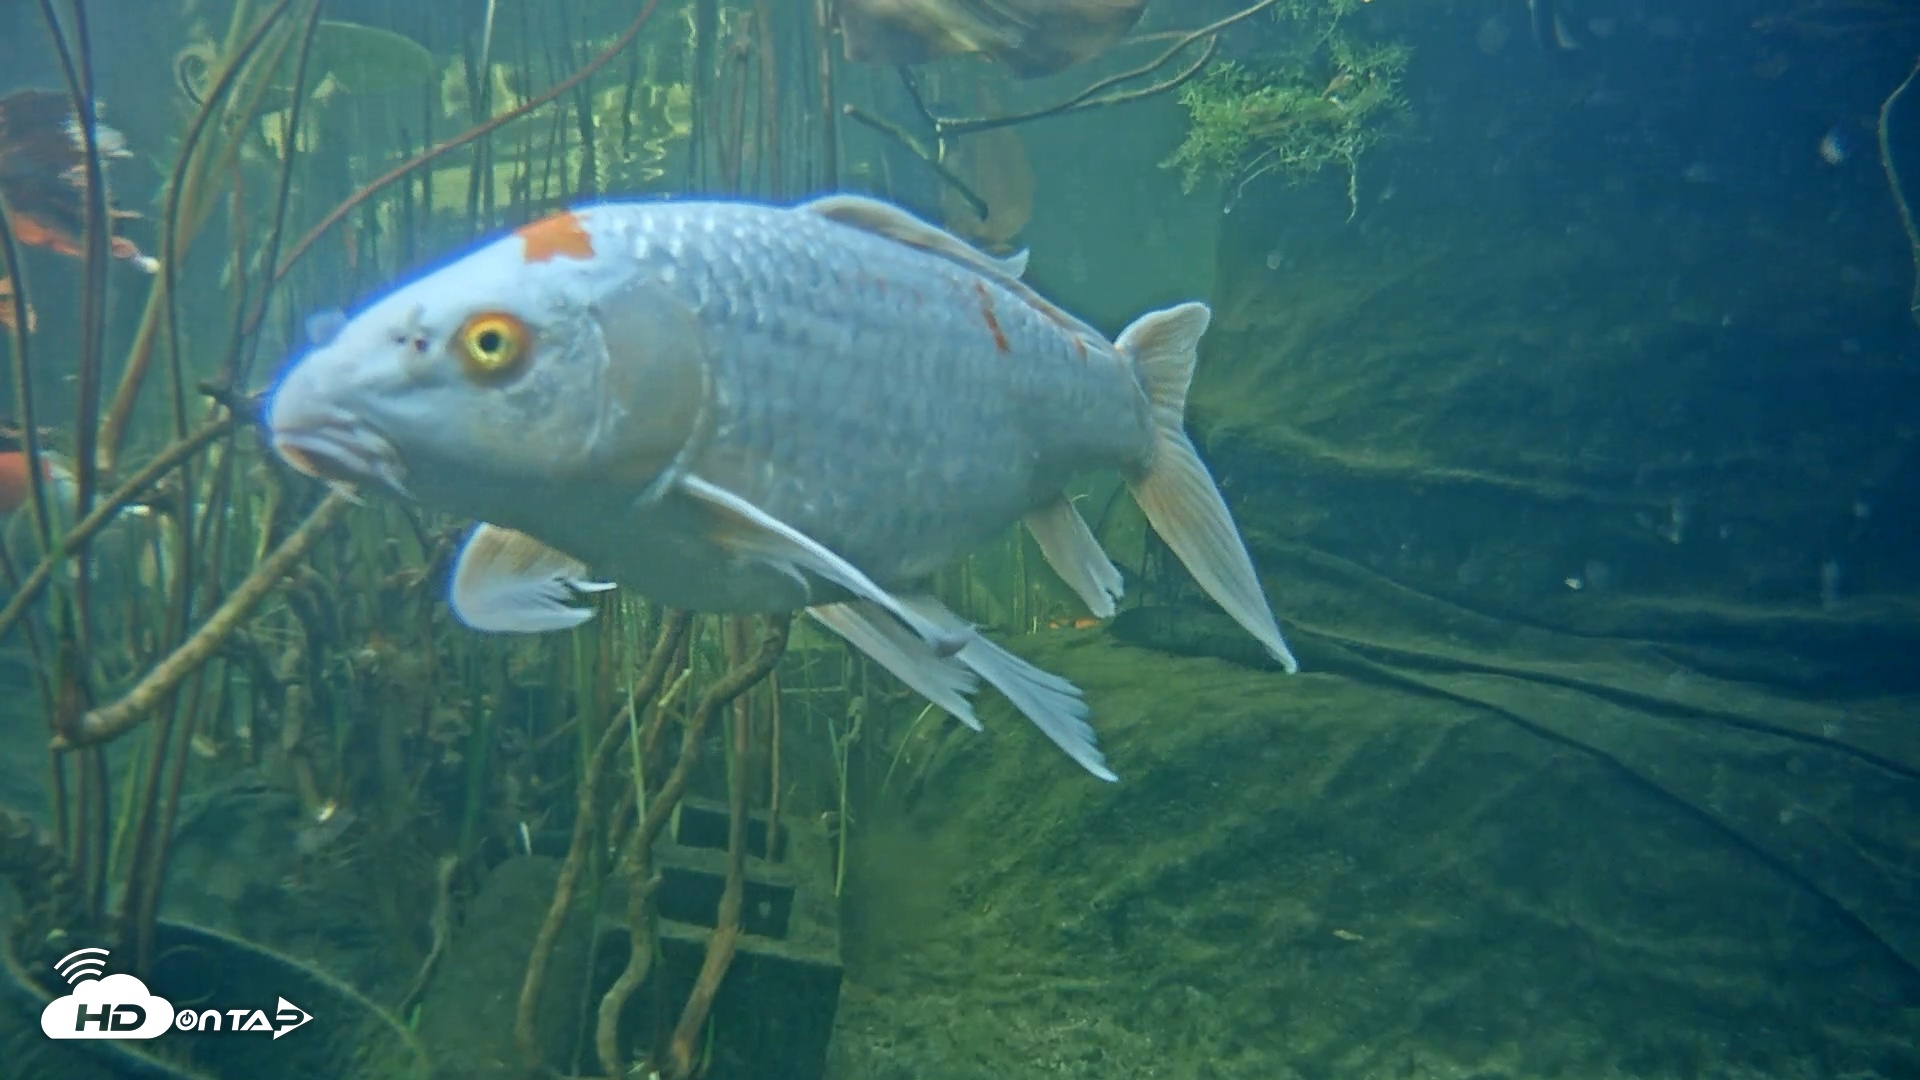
[1071, 549]
[506, 582]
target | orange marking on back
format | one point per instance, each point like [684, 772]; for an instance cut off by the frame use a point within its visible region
[1080, 345]
[555, 236]
[993, 321]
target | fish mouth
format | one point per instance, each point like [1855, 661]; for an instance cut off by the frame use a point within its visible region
[341, 454]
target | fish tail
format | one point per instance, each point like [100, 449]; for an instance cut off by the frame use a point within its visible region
[1176, 492]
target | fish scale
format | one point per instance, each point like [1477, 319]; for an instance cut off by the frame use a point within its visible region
[892, 346]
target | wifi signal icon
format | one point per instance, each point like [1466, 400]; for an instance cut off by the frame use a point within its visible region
[82, 964]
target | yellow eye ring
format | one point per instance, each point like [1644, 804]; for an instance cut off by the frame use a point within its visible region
[493, 346]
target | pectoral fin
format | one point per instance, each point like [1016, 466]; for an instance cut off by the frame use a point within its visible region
[1070, 548]
[506, 582]
[942, 681]
[752, 533]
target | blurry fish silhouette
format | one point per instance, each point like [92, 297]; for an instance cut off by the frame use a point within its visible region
[1031, 37]
[43, 174]
[16, 491]
[10, 309]
[1549, 28]
[995, 166]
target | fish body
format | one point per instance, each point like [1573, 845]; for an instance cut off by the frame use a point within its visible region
[16, 487]
[1031, 37]
[43, 174]
[1550, 30]
[736, 407]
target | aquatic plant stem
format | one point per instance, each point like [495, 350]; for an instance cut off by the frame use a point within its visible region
[673, 631]
[1092, 97]
[406, 168]
[101, 725]
[726, 932]
[15, 272]
[441, 923]
[829, 116]
[242, 347]
[184, 200]
[161, 463]
[1893, 184]
[738, 680]
[76, 64]
[773, 766]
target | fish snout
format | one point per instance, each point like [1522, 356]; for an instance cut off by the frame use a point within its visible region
[330, 445]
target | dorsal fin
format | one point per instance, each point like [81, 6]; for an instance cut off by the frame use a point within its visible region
[885, 219]
[888, 220]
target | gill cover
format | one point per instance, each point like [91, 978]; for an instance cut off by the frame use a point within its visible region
[656, 386]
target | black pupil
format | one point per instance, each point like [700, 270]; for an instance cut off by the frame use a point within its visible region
[489, 341]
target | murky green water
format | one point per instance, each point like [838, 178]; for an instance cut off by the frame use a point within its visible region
[1560, 381]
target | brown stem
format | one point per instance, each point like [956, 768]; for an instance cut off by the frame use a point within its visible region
[15, 272]
[162, 462]
[525, 1032]
[442, 924]
[239, 363]
[76, 64]
[641, 882]
[726, 933]
[116, 719]
[1095, 96]
[406, 168]
[184, 182]
[899, 135]
[773, 768]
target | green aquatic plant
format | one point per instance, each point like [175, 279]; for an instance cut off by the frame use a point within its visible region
[1321, 102]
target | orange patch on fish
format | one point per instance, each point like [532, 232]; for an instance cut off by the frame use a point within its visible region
[993, 321]
[14, 488]
[10, 308]
[555, 236]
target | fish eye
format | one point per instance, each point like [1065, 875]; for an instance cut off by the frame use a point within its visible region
[493, 345]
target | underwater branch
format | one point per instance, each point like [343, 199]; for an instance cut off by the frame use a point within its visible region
[103, 724]
[1899, 194]
[104, 512]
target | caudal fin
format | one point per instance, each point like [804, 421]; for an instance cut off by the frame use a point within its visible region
[1176, 492]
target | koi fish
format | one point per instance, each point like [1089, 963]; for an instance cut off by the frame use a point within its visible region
[737, 407]
[43, 174]
[10, 308]
[16, 487]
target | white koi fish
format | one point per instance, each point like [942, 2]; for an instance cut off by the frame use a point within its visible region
[732, 407]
